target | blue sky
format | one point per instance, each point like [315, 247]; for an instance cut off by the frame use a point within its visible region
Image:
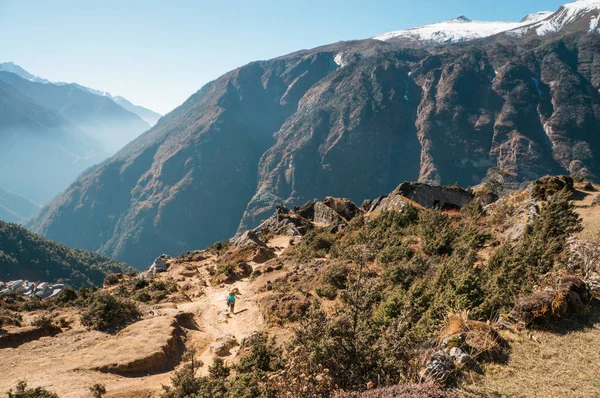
[157, 53]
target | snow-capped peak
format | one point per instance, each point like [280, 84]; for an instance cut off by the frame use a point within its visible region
[460, 19]
[452, 31]
[567, 14]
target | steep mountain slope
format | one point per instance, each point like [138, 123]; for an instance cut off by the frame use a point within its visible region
[24, 255]
[41, 151]
[16, 208]
[350, 119]
[149, 116]
[99, 117]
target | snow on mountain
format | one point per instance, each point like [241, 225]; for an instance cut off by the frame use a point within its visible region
[459, 29]
[538, 16]
[568, 14]
[17, 70]
[150, 116]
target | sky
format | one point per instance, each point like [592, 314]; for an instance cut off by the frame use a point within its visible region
[158, 53]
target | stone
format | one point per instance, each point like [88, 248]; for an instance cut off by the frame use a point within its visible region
[222, 345]
[443, 197]
[440, 365]
[326, 216]
[159, 265]
[460, 357]
[344, 207]
[247, 238]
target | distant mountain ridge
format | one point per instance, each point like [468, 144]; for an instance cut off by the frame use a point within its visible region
[16, 208]
[147, 115]
[99, 117]
[349, 119]
[42, 152]
[50, 133]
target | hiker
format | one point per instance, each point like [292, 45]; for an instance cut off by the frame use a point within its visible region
[231, 299]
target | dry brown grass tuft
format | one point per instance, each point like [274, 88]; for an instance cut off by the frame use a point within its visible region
[561, 362]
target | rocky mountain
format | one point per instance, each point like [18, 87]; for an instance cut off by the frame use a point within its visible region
[98, 116]
[350, 119]
[16, 208]
[25, 255]
[42, 152]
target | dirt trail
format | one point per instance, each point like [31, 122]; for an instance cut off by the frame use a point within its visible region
[213, 320]
[66, 363]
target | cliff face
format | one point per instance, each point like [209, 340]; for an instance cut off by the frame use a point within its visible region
[350, 120]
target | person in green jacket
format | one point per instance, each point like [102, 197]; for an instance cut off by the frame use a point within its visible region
[231, 299]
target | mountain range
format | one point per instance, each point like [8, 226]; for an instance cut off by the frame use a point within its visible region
[146, 114]
[454, 102]
[51, 133]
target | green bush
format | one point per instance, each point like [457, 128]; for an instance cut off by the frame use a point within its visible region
[328, 292]
[263, 355]
[43, 322]
[22, 391]
[108, 313]
[392, 254]
[437, 231]
[336, 275]
[316, 243]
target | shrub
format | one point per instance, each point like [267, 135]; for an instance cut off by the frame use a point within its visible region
[112, 279]
[336, 275]
[105, 312]
[34, 303]
[218, 370]
[186, 385]
[140, 283]
[402, 391]
[436, 229]
[98, 390]
[316, 243]
[328, 292]
[43, 322]
[67, 296]
[392, 254]
[263, 355]
[23, 392]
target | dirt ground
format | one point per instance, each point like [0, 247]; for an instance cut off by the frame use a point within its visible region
[141, 358]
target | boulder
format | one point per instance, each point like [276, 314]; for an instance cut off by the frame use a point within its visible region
[247, 238]
[222, 345]
[440, 366]
[391, 202]
[159, 265]
[568, 294]
[443, 197]
[344, 207]
[326, 216]
[460, 357]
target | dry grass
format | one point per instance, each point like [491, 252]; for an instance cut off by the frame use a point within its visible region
[562, 362]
